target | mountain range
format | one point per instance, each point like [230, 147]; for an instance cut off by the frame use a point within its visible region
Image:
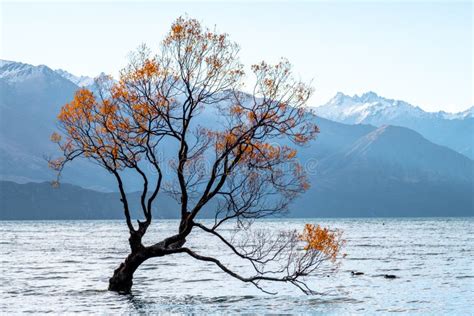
[453, 130]
[30, 99]
[373, 157]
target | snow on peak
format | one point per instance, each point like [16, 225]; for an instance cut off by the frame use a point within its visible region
[356, 109]
[370, 108]
[5, 62]
[368, 97]
[339, 99]
[81, 81]
[12, 71]
[469, 113]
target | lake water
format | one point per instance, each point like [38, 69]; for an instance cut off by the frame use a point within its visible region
[64, 266]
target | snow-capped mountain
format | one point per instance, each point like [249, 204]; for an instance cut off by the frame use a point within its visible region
[5, 62]
[370, 108]
[454, 130]
[460, 115]
[81, 81]
[14, 72]
[30, 99]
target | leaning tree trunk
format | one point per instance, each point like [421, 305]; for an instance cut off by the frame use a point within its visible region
[122, 280]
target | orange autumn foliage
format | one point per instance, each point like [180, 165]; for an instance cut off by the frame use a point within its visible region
[79, 109]
[236, 109]
[251, 150]
[323, 240]
[97, 129]
[55, 137]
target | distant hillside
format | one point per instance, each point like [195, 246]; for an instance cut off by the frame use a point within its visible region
[453, 130]
[30, 100]
[355, 169]
[391, 171]
[33, 201]
[363, 193]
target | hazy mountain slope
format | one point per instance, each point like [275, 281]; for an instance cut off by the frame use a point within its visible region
[333, 136]
[454, 130]
[404, 148]
[355, 169]
[30, 99]
[34, 201]
[392, 170]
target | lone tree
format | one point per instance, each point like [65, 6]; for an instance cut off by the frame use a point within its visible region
[148, 122]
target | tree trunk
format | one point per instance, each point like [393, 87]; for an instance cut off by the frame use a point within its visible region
[122, 280]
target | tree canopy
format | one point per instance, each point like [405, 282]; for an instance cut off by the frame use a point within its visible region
[245, 161]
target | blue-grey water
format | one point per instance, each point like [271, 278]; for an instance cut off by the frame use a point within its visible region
[64, 266]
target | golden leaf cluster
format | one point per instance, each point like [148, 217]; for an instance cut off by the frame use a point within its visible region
[323, 240]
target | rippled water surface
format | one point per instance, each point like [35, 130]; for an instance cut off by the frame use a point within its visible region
[64, 266]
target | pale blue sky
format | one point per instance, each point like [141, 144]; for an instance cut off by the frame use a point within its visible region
[418, 52]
